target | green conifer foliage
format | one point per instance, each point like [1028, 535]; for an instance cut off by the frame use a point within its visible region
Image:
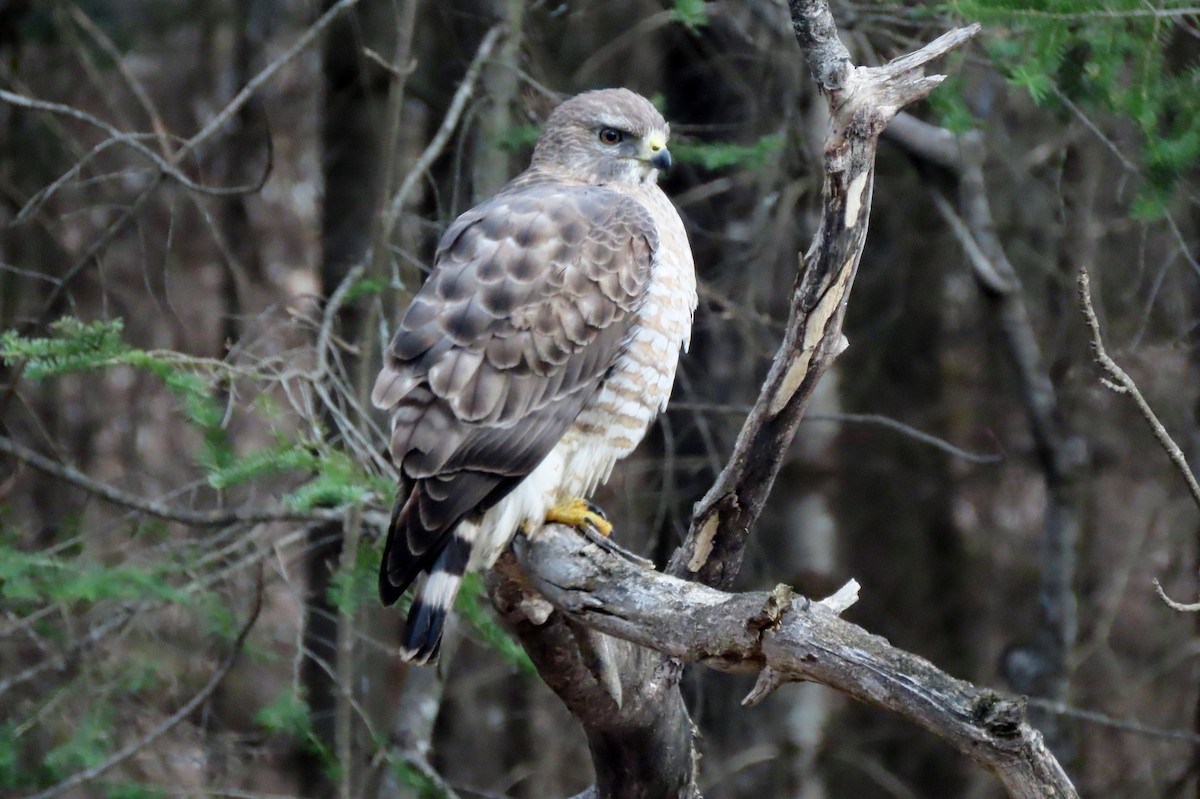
[1115, 58]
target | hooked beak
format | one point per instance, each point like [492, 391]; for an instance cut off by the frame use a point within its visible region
[655, 151]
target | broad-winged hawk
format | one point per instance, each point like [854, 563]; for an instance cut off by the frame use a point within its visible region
[536, 354]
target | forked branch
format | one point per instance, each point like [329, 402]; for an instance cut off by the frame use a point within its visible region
[862, 100]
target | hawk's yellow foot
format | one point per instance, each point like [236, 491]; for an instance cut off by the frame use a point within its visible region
[580, 513]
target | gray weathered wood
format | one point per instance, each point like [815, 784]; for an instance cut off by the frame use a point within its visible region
[862, 100]
[788, 638]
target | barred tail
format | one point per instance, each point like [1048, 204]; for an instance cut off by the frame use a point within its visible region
[423, 630]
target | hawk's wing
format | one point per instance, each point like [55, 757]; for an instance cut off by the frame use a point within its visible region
[529, 303]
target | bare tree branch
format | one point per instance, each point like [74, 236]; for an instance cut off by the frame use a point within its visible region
[165, 726]
[862, 101]
[188, 516]
[1120, 381]
[1171, 603]
[788, 638]
[1122, 725]
[855, 418]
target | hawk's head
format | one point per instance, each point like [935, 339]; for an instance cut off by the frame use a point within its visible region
[605, 136]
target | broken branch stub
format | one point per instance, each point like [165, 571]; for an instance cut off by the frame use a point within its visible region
[862, 100]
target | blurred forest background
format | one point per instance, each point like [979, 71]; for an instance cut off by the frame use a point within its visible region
[210, 212]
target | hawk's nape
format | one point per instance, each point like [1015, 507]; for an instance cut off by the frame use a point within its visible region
[528, 363]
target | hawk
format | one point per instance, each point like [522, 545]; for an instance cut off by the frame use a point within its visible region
[536, 354]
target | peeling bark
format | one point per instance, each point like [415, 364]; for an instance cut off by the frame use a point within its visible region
[862, 100]
[780, 635]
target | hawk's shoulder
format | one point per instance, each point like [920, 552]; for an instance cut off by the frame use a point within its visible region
[530, 300]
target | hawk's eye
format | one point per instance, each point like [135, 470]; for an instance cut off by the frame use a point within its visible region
[611, 136]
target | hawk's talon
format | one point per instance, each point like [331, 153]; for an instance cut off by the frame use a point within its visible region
[613, 548]
[582, 515]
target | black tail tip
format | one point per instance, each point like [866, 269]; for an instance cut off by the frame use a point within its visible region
[423, 633]
[389, 594]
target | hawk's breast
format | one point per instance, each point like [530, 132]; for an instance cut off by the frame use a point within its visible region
[616, 418]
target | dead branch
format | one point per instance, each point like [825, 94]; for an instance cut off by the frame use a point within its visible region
[862, 100]
[1130, 726]
[855, 418]
[1120, 381]
[188, 516]
[906, 430]
[1171, 603]
[788, 638]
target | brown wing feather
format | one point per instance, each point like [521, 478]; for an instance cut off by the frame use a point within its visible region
[529, 304]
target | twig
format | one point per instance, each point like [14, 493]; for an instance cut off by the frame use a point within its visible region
[854, 418]
[194, 518]
[465, 89]
[347, 693]
[328, 318]
[908, 430]
[323, 377]
[1124, 384]
[167, 724]
[392, 69]
[427, 771]
[1120, 381]
[1134, 727]
[1179, 606]
[795, 638]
